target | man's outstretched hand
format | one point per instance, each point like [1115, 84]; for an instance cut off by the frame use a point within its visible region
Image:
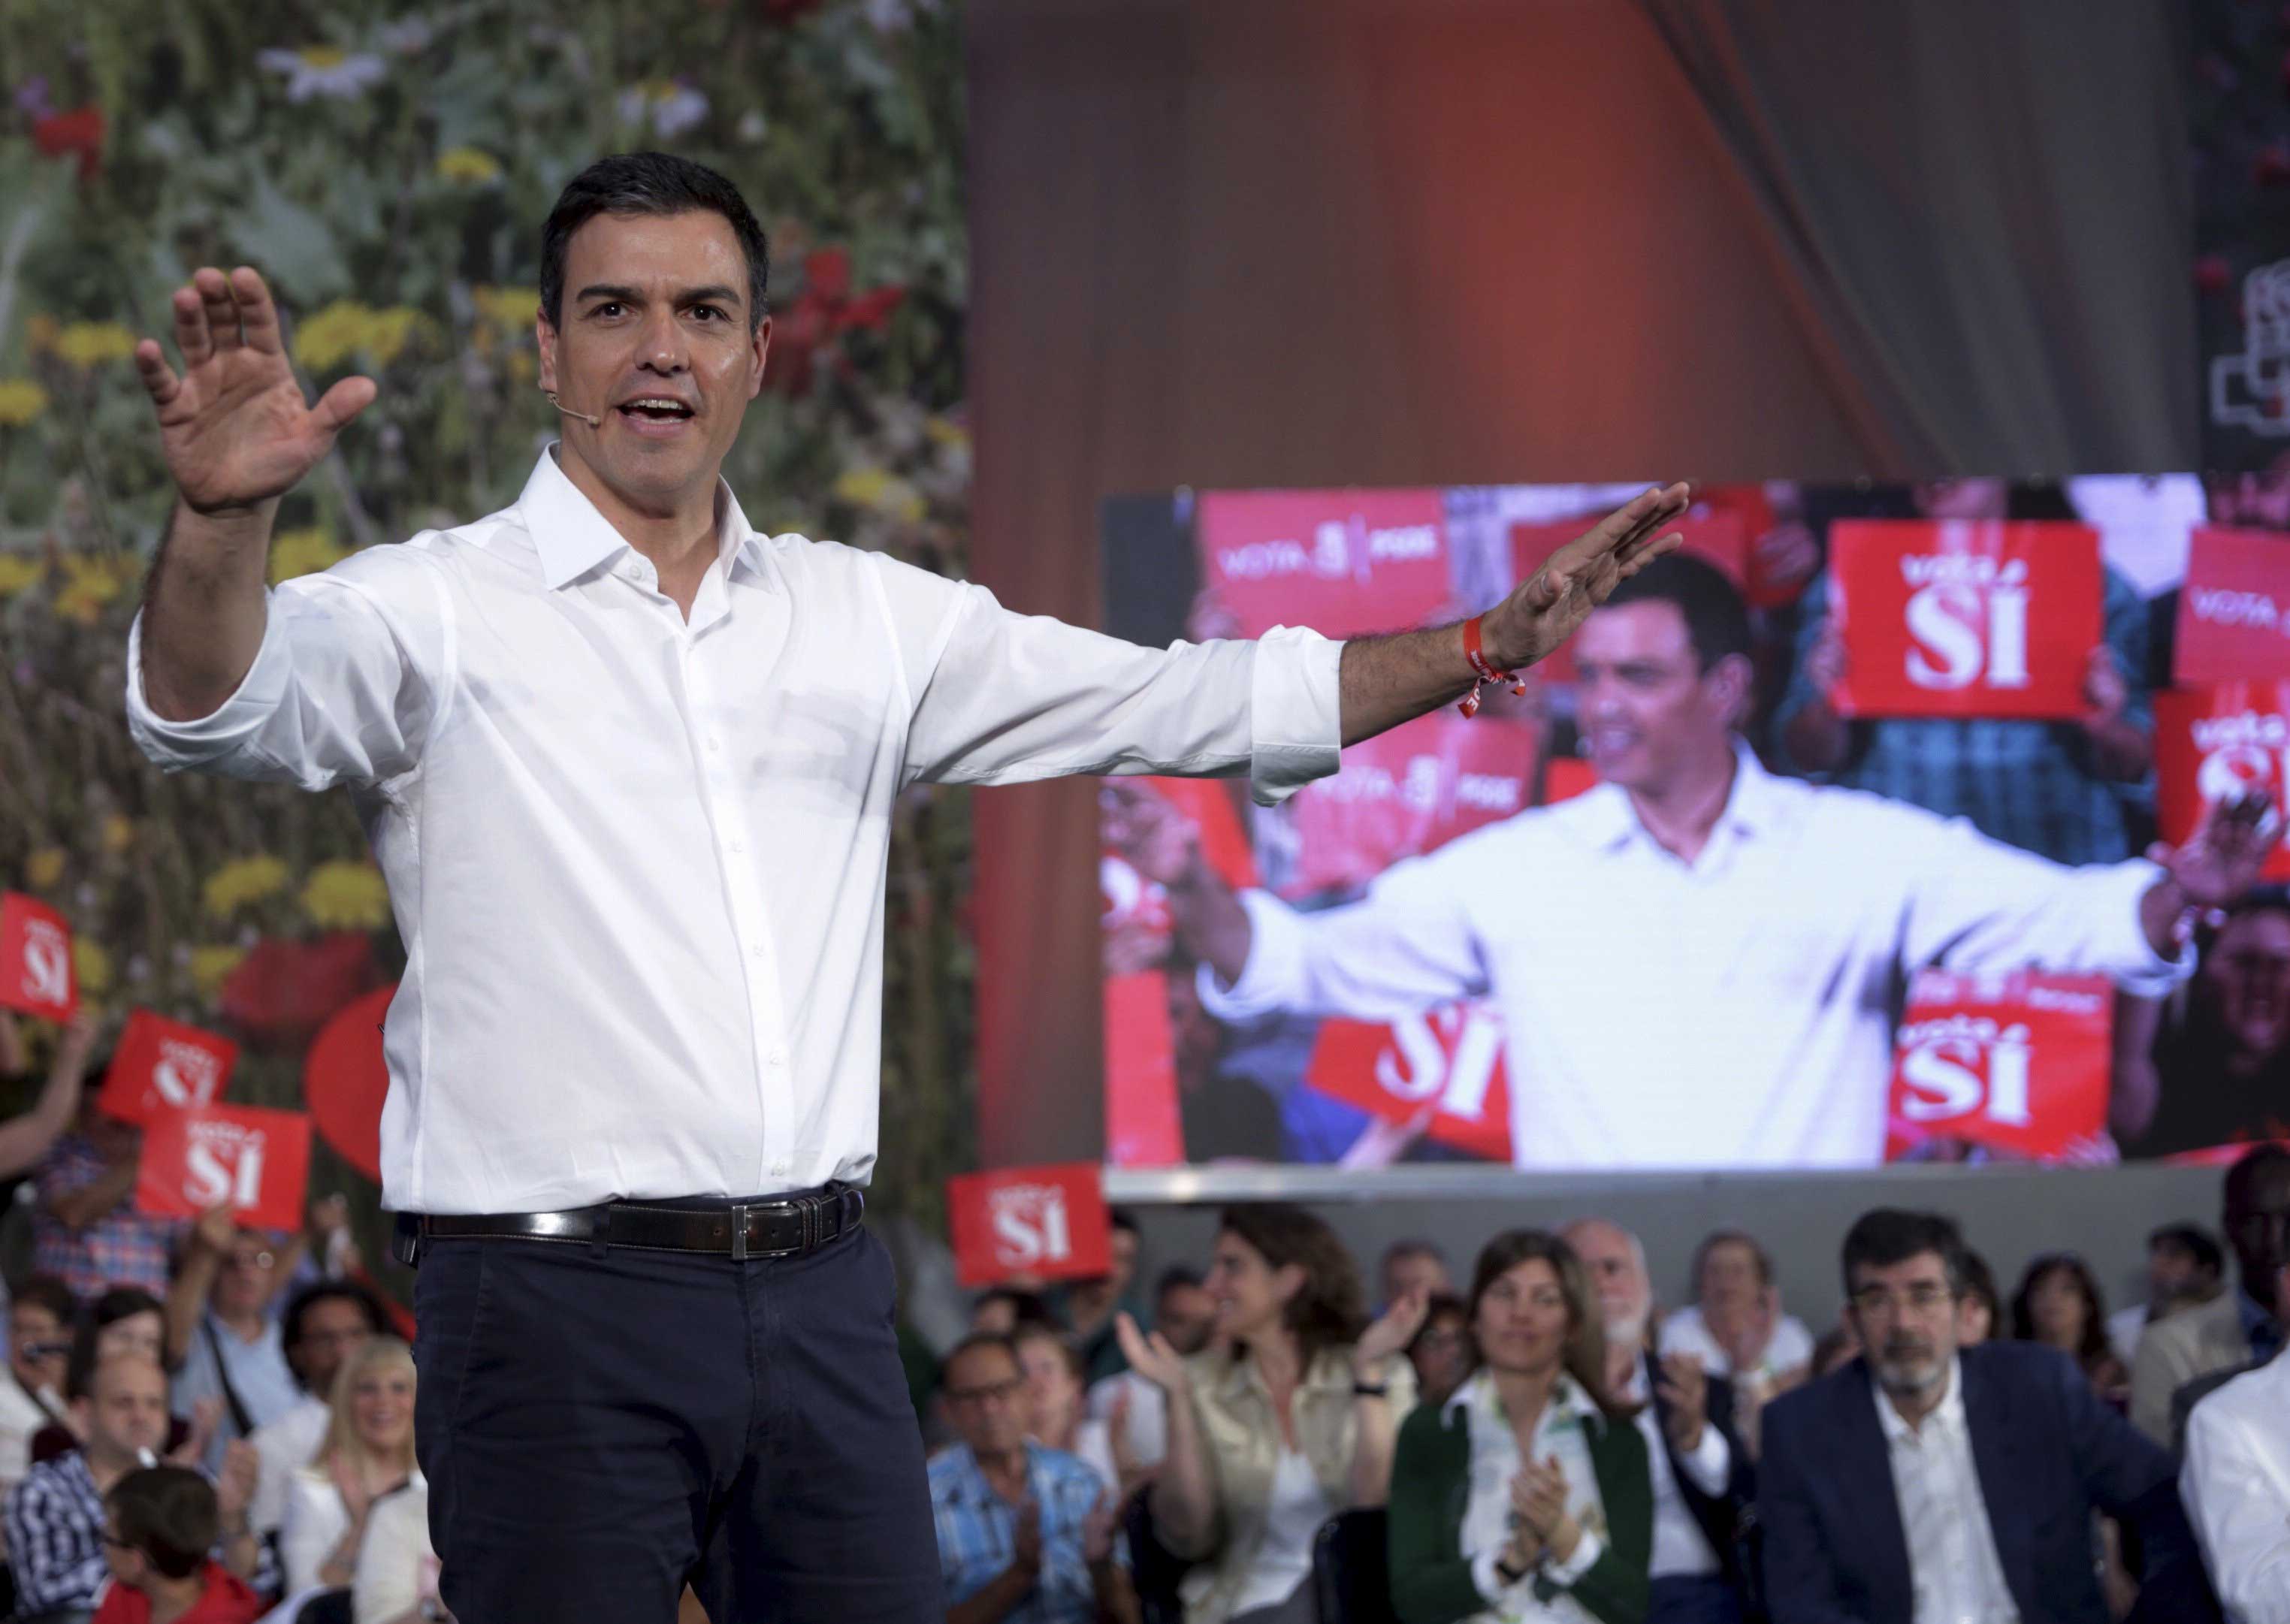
[234, 426]
[1533, 621]
[2226, 854]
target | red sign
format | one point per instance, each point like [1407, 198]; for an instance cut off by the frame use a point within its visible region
[256, 1162]
[1964, 617]
[1048, 1223]
[36, 959]
[2019, 1062]
[1718, 538]
[1144, 1123]
[1409, 791]
[1341, 561]
[1566, 776]
[164, 1066]
[345, 1081]
[1452, 1055]
[2220, 743]
[2234, 611]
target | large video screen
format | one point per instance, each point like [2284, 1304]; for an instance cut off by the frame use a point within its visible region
[1824, 848]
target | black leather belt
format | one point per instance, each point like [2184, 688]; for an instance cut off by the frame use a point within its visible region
[781, 1226]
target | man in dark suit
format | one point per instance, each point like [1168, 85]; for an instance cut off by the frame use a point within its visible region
[1926, 1484]
[1702, 1478]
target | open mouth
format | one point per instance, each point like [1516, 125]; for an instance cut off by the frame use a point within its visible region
[654, 414]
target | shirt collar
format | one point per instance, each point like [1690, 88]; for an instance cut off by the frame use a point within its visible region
[1477, 1396]
[1607, 816]
[981, 1492]
[572, 537]
[1948, 1412]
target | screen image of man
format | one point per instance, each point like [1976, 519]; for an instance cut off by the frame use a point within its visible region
[1697, 964]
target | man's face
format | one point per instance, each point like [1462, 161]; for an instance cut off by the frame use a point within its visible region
[126, 1408]
[1730, 1278]
[243, 1284]
[332, 1328]
[1625, 1294]
[1906, 1316]
[2247, 977]
[1413, 1271]
[655, 306]
[1645, 707]
[2255, 502]
[1124, 1262]
[1185, 1316]
[2253, 1226]
[39, 1347]
[986, 1401]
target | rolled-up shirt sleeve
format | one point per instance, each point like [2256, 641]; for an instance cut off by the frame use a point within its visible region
[344, 688]
[1710, 1463]
[999, 698]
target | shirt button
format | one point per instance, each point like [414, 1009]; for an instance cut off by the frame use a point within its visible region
[714, 743]
[756, 951]
[779, 1170]
[778, 1058]
[735, 845]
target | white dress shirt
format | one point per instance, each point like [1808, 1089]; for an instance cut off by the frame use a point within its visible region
[639, 862]
[1562, 1430]
[1735, 1011]
[2124, 1327]
[1686, 1331]
[1953, 1564]
[397, 1565]
[2235, 1482]
[1679, 1544]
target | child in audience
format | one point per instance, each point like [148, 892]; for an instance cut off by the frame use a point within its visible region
[159, 1525]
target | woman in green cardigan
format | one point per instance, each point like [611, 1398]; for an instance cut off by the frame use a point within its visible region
[1527, 1498]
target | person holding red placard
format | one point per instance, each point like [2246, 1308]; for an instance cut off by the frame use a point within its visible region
[1697, 964]
[630, 767]
[86, 1229]
[2055, 788]
[25, 1140]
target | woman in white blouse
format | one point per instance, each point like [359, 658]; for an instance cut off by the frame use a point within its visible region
[368, 1453]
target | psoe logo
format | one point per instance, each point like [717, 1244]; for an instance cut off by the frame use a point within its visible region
[1030, 1225]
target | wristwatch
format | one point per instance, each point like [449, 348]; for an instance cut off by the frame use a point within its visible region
[1508, 1574]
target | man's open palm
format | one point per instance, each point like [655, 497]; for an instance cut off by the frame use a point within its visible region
[234, 426]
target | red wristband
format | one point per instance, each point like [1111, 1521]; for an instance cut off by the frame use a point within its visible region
[1483, 672]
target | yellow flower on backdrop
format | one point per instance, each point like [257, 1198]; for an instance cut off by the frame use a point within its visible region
[248, 879]
[85, 344]
[91, 584]
[119, 833]
[347, 896]
[468, 166]
[20, 401]
[304, 552]
[91, 964]
[40, 333]
[347, 328]
[210, 966]
[880, 491]
[44, 868]
[510, 310]
[18, 571]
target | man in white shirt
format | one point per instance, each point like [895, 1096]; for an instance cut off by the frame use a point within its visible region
[1702, 1481]
[628, 766]
[1930, 1483]
[1735, 1326]
[1780, 919]
[2236, 1484]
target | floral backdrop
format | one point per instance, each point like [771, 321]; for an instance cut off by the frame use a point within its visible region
[387, 167]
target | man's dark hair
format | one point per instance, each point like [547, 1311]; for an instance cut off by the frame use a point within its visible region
[648, 183]
[46, 1292]
[1026, 1308]
[1728, 1237]
[120, 1302]
[1177, 1277]
[294, 1324]
[1887, 1236]
[1122, 1218]
[2197, 1243]
[168, 1513]
[1717, 620]
[977, 1339]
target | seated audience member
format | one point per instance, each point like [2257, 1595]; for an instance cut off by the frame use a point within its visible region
[1288, 1421]
[1982, 1311]
[125, 1319]
[2237, 1328]
[1086, 1307]
[1411, 1266]
[396, 1566]
[324, 1324]
[1735, 1326]
[999, 1312]
[1702, 1478]
[222, 1328]
[56, 1517]
[39, 1360]
[2216, 1052]
[2236, 1484]
[1442, 1354]
[86, 1229]
[1127, 1403]
[164, 1520]
[368, 1451]
[1527, 1495]
[1927, 1482]
[2186, 1268]
[1024, 1531]
[2058, 1304]
[1057, 1415]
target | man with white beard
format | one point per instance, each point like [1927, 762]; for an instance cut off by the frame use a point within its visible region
[1701, 1473]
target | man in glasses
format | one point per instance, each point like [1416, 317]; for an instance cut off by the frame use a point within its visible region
[1926, 1483]
[1025, 1535]
[223, 1337]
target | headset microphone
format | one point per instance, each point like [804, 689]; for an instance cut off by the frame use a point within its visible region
[593, 422]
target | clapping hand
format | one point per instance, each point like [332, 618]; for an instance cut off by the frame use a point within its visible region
[1538, 1495]
[1097, 1529]
[242, 1471]
[1685, 1388]
[1150, 1356]
[1025, 1544]
[1389, 1335]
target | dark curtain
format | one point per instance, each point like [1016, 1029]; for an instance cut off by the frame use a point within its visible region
[1225, 242]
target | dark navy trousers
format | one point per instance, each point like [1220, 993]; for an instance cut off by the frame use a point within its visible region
[600, 1427]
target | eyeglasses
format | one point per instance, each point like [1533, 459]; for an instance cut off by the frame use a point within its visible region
[1002, 1391]
[46, 1351]
[251, 1260]
[1921, 1299]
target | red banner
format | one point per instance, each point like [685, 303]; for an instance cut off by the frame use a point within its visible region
[1409, 791]
[2234, 610]
[255, 1161]
[1341, 561]
[1451, 1054]
[1046, 1223]
[162, 1066]
[2220, 743]
[1566, 776]
[36, 959]
[1718, 537]
[2019, 1062]
[1964, 617]
[1144, 1123]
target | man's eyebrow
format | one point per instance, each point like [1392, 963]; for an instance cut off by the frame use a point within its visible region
[714, 293]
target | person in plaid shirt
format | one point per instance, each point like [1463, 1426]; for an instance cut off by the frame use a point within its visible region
[1025, 1535]
[86, 1231]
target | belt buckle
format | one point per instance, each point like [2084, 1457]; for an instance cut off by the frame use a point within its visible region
[740, 1232]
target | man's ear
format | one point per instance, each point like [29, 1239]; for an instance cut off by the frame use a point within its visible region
[761, 343]
[1732, 684]
[544, 334]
